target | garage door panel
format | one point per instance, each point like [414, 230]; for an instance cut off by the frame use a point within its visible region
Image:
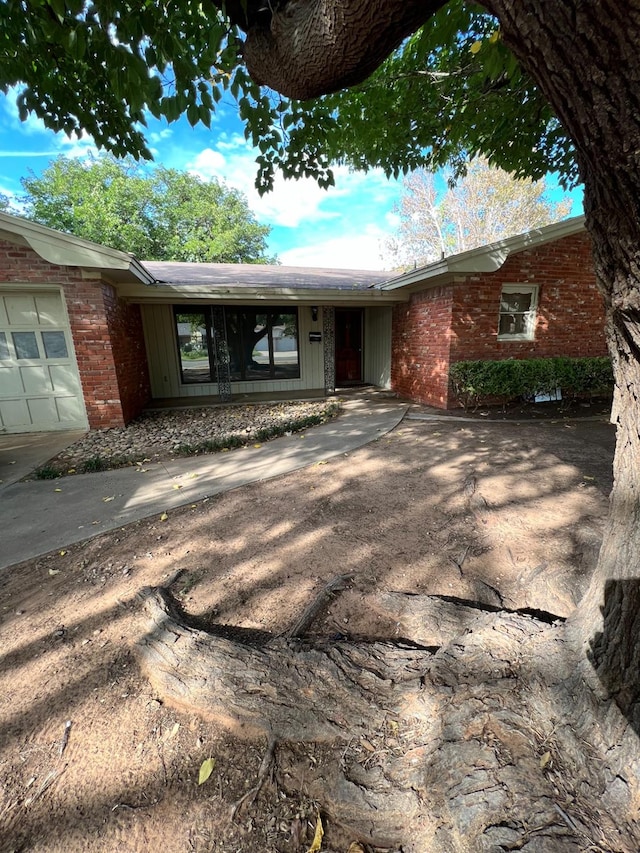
[21, 310]
[15, 413]
[10, 382]
[69, 409]
[36, 379]
[63, 379]
[40, 386]
[43, 412]
[50, 310]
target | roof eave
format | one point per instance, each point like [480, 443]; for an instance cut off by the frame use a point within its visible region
[274, 295]
[61, 249]
[485, 259]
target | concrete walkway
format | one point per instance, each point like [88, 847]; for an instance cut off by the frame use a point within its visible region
[43, 515]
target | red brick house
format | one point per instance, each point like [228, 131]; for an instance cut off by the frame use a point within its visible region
[530, 296]
[89, 335]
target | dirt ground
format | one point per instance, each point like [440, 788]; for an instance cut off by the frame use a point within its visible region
[90, 759]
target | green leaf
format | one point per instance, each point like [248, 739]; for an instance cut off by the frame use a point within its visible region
[206, 769]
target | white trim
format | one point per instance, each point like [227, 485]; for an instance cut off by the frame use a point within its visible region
[531, 314]
[486, 258]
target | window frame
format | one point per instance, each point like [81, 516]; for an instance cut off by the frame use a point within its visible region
[531, 315]
[205, 309]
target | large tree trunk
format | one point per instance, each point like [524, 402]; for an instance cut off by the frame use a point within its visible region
[585, 58]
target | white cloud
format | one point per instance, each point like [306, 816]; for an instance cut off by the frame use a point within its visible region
[288, 204]
[291, 202]
[57, 143]
[352, 251]
[157, 136]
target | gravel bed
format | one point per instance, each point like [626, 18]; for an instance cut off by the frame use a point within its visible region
[185, 432]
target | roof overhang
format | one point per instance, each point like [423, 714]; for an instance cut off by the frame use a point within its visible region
[202, 293]
[485, 259]
[63, 249]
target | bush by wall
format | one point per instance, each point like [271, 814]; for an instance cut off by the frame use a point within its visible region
[475, 382]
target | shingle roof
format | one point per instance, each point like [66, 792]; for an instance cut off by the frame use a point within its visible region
[263, 275]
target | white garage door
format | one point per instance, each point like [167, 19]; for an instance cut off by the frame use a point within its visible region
[39, 383]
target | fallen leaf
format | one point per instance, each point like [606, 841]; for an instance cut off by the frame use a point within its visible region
[545, 761]
[257, 445]
[164, 516]
[324, 462]
[62, 553]
[57, 490]
[356, 847]
[206, 769]
[106, 500]
[367, 745]
[585, 477]
[316, 844]
[53, 572]
[172, 733]
[176, 486]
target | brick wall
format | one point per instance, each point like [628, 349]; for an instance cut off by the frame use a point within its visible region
[107, 335]
[129, 353]
[570, 318]
[420, 346]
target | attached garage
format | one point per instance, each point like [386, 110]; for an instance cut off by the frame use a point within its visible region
[40, 386]
[71, 350]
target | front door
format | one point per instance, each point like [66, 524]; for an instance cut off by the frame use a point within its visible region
[348, 346]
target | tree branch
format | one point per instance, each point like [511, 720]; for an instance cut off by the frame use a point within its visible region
[307, 48]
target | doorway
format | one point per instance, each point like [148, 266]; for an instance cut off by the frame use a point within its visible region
[349, 346]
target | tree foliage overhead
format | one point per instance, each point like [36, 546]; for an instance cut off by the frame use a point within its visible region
[450, 91]
[485, 205]
[160, 215]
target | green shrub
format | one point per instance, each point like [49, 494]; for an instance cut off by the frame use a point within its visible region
[96, 463]
[47, 472]
[475, 382]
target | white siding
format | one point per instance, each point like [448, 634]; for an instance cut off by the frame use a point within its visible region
[377, 346]
[164, 370]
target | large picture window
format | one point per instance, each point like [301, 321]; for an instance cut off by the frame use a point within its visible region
[262, 343]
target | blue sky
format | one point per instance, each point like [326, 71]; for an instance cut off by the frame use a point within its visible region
[345, 226]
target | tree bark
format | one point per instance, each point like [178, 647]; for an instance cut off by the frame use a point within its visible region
[471, 746]
[308, 48]
[585, 57]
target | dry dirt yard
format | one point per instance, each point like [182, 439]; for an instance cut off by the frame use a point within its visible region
[91, 758]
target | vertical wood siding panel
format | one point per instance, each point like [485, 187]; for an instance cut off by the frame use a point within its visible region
[377, 346]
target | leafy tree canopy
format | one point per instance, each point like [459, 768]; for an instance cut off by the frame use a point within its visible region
[485, 205]
[163, 214]
[451, 91]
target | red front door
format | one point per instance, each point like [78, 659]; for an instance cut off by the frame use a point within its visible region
[348, 346]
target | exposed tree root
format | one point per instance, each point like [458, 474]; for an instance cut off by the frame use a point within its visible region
[473, 745]
[263, 772]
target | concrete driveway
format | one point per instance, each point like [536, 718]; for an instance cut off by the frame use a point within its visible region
[22, 453]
